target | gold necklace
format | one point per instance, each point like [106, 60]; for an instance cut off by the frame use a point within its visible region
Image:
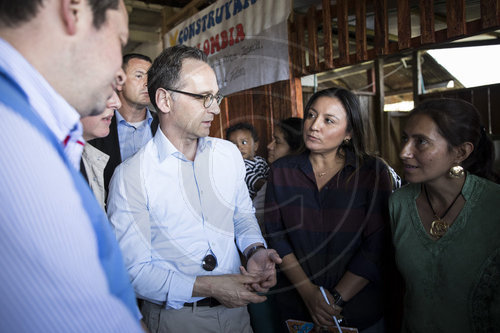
[324, 172]
[438, 226]
[321, 174]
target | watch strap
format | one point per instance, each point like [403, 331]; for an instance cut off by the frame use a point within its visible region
[338, 298]
[254, 249]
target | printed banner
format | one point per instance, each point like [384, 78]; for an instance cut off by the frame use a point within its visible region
[246, 41]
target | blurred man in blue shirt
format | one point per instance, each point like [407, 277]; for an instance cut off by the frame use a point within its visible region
[62, 268]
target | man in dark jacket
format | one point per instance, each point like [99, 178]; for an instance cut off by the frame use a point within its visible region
[133, 124]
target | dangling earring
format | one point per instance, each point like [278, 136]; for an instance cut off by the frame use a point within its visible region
[346, 141]
[456, 171]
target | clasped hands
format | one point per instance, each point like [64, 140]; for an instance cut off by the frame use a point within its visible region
[235, 290]
[262, 265]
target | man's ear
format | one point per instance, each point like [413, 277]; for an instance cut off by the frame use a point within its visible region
[70, 10]
[463, 151]
[163, 100]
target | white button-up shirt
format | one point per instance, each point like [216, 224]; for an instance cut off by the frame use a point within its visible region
[168, 212]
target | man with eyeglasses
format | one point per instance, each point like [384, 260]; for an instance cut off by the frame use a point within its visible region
[180, 209]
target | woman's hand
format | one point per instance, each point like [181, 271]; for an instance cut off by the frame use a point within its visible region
[321, 313]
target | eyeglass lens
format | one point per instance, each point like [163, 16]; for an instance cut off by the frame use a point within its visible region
[209, 99]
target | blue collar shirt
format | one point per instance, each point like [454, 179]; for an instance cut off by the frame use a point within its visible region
[51, 279]
[168, 212]
[61, 118]
[132, 138]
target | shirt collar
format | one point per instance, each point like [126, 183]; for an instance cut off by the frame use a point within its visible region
[121, 120]
[166, 148]
[53, 109]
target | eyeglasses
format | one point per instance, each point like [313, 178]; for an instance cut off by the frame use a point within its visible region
[208, 99]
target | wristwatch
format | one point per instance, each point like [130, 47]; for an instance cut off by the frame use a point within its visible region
[338, 298]
[254, 249]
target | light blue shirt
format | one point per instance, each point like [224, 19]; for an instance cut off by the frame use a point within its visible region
[132, 138]
[43, 99]
[168, 211]
[51, 278]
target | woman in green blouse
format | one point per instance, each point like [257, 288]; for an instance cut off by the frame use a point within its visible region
[446, 224]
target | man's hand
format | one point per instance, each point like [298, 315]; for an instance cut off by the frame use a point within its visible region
[231, 290]
[263, 264]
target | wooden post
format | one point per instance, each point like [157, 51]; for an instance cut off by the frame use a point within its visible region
[361, 48]
[381, 27]
[312, 38]
[427, 30]
[381, 127]
[327, 35]
[417, 77]
[455, 18]
[404, 25]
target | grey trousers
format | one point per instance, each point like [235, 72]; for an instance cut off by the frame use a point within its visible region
[196, 319]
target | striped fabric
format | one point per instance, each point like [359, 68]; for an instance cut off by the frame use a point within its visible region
[256, 169]
[51, 278]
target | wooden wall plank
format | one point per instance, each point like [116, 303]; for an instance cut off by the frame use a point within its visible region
[361, 47]
[300, 24]
[343, 31]
[490, 13]
[381, 27]
[404, 24]
[293, 49]
[312, 39]
[427, 30]
[455, 18]
[494, 106]
[327, 35]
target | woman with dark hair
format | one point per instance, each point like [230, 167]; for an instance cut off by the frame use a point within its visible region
[287, 139]
[326, 214]
[445, 224]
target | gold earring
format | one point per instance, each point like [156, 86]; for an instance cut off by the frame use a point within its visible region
[456, 171]
[346, 141]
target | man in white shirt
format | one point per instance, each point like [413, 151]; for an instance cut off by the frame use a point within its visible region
[180, 209]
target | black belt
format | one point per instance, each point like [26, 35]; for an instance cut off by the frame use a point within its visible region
[209, 301]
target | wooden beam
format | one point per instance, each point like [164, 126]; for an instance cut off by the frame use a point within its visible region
[490, 13]
[380, 118]
[381, 27]
[327, 35]
[416, 69]
[404, 24]
[455, 18]
[300, 23]
[312, 36]
[361, 47]
[180, 16]
[427, 30]
[343, 31]
[143, 36]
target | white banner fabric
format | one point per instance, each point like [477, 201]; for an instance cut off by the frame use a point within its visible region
[246, 41]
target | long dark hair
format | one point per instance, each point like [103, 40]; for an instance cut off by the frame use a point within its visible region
[354, 121]
[292, 132]
[458, 122]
